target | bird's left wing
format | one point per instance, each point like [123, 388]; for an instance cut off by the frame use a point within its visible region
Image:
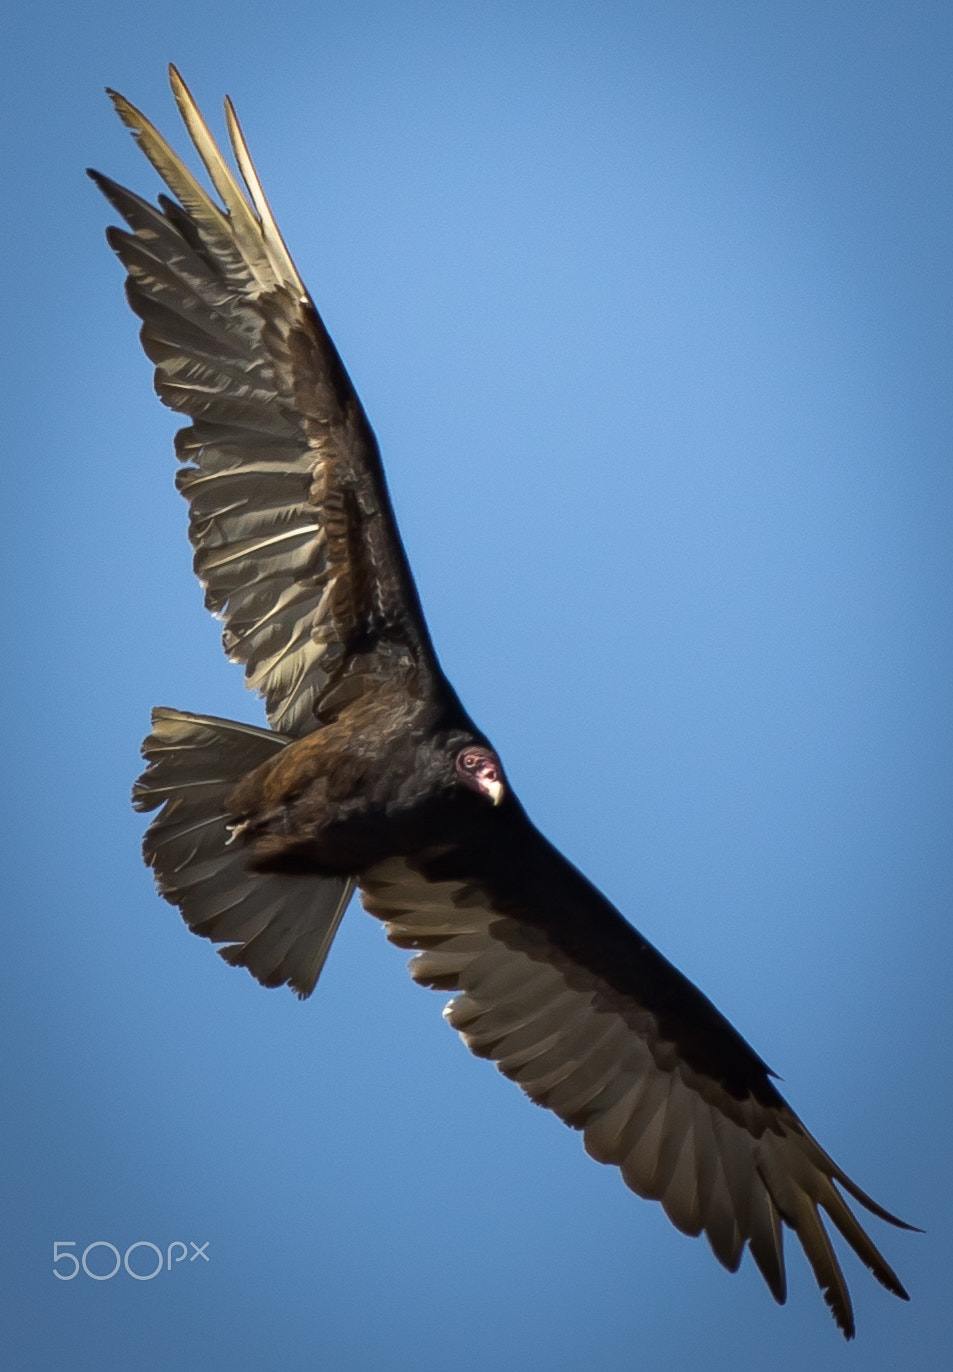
[294, 536]
[591, 1021]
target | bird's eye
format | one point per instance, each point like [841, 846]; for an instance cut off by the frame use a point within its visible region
[471, 760]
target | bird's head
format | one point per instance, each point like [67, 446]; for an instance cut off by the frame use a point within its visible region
[480, 769]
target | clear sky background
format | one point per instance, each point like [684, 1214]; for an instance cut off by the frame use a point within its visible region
[650, 306]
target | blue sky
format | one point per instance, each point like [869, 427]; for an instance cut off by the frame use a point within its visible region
[650, 307]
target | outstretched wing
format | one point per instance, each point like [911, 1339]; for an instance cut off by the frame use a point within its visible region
[294, 536]
[590, 1020]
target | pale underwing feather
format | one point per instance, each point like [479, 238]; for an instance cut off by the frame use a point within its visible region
[238, 347]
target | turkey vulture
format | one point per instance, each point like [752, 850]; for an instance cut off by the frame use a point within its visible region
[372, 775]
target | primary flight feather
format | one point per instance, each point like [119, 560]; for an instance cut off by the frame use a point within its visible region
[373, 775]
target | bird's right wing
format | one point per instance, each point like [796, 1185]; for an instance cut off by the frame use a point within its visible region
[592, 1022]
[294, 536]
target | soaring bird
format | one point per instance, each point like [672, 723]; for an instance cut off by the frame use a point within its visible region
[372, 774]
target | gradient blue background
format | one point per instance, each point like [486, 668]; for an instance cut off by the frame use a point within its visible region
[650, 305]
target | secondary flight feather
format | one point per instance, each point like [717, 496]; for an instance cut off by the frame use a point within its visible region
[373, 775]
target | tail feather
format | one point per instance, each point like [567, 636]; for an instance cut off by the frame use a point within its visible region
[279, 927]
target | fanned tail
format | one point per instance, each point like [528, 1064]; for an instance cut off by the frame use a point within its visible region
[279, 927]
